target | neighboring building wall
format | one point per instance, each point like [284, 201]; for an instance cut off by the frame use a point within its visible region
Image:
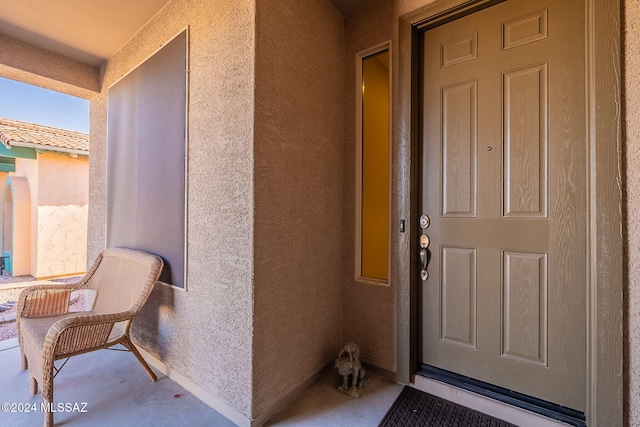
[62, 240]
[59, 188]
[61, 215]
[62, 180]
[631, 73]
[28, 169]
[298, 198]
[203, 334]
[17, 211]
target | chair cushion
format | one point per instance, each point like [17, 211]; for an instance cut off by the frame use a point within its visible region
[33, 331]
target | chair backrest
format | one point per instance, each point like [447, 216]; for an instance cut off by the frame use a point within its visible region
[122, 279]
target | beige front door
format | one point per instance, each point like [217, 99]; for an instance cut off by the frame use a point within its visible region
[503, 183]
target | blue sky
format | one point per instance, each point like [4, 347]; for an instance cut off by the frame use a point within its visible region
[20, 101]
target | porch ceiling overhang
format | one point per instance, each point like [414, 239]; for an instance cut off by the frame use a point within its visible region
[91, 31]
[87, 31]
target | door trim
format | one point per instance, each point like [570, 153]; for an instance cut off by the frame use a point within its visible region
[605, 374]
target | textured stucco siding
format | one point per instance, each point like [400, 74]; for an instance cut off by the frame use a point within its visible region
[370, 315]
[632, 146]
[62, 240]
[205, 334]
[298, 198]
[369, 310]
[62, 180]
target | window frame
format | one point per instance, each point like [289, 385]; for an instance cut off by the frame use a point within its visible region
[360, 56]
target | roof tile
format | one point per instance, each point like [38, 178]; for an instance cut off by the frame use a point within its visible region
[17, 133]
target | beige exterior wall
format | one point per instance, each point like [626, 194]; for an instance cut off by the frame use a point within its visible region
[369, 310]
[58, 184]
[62, 240]
[18, 213]
[298, 200]
[28, 169]
[207, 333]
[60, 229]
[62, 180]
[203, 334]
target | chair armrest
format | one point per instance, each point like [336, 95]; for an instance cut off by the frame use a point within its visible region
[44, 300]
[82, 332]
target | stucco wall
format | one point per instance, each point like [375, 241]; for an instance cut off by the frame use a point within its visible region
[17, 211]
[298, 199]
[55, 180]
[60, 229]
[631, 70]
[62, 180]
[28, 169]
[205, 334]
[369, 310]
[62, 240]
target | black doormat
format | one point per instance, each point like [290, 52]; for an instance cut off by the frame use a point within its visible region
[416, 408]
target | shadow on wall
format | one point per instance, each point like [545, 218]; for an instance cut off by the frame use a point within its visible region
[146, 328]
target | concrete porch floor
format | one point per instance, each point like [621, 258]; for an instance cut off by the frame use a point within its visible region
[118, 392]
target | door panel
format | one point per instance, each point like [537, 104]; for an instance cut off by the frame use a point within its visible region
[525, 142]
[459, 295]
[524, 317]
[459, 149]
[503, 181]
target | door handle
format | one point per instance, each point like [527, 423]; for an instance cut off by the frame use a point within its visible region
[424, 256]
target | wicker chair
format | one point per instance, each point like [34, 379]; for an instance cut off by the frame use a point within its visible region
[121, 281]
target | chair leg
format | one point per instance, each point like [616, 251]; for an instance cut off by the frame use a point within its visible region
[47, 395]
[48, 415]
[33, 386]
[129, 344]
